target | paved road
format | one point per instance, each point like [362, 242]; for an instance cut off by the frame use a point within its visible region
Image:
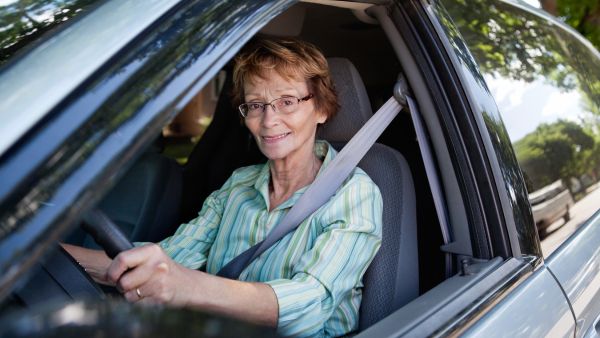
[580, 212]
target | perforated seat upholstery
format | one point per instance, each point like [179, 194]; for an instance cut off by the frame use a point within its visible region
[392, 280]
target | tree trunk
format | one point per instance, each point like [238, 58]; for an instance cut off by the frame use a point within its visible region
[549, 6]
[592, 20]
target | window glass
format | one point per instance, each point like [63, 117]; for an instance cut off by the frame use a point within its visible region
[546, 83]
[24, 21]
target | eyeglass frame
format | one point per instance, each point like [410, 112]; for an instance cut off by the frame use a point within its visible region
[265, 104]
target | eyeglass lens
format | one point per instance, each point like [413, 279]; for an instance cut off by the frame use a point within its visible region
[284, 105]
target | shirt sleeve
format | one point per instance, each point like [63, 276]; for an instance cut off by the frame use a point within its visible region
[191, 242]
[333, 268]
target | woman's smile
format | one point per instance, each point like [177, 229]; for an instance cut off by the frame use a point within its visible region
[283, 137]
[272, 139]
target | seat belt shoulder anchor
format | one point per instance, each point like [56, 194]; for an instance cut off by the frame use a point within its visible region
[401, 90]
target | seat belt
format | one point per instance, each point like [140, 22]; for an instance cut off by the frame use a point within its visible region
[324, 186]
[434, 182]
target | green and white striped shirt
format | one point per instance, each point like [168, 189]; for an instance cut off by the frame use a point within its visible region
[315, 271]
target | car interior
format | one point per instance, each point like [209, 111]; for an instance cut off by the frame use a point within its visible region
[161, 190]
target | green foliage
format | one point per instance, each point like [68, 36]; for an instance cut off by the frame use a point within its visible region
[518, 45]
[562, 149]
[583, 15]
[495, 39]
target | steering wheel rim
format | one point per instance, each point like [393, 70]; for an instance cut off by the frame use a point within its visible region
[105, 232]
[62, 277]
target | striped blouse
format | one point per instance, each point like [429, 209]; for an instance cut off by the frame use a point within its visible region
[315, 271]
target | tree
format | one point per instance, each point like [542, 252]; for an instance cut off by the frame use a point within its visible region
[518, 45]
[559, 150]
[495, 39]
[583, 15]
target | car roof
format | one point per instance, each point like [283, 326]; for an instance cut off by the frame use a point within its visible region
[31, 86]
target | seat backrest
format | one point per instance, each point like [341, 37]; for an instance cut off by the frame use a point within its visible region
[392, 279]
[225, 146]
[146, 200]
[144, 203]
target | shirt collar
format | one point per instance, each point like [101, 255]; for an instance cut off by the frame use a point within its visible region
[322, 149]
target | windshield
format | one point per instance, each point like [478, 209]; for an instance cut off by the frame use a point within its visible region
[23, 22]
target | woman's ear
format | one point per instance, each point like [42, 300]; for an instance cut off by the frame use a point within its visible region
[321, 118]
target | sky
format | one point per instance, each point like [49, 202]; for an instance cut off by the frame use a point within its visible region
[526, 105]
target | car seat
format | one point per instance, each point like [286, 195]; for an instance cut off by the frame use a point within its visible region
[392, 279]
[145, 201]
[225, 146]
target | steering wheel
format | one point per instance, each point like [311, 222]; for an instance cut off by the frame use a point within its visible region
[106, 233]
[61, 277]
[61, 273]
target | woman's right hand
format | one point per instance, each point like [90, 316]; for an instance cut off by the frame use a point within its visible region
[94, 262]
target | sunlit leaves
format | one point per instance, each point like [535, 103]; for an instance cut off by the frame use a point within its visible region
[559, 150]
[583, 15]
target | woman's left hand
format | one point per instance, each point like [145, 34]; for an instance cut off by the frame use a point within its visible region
[147, 274]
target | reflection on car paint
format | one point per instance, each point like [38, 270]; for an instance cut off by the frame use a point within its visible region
[455, 17]
[135, 97]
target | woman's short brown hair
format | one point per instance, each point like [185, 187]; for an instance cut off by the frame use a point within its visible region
[292, 59]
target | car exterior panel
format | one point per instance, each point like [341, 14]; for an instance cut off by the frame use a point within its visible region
[73, 156]
[89, 43]
[576, 261]
[576, 265]
[536, 308]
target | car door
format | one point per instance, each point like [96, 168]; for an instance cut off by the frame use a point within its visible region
[576, 265]
[94, 106]
[543, 78]
[461, 48]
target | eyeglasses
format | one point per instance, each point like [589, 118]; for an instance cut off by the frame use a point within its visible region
[283, 105]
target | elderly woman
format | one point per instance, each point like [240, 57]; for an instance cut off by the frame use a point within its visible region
[309, 282]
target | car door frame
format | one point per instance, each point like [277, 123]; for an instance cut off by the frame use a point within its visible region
[497, 286]
[81, 147]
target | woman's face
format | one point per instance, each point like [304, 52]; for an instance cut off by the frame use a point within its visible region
[282, 136]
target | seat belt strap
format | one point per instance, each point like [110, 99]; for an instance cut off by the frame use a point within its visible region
[322, 188]
[433, 179]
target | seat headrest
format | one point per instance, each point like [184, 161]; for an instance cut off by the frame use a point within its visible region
[355, 107]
